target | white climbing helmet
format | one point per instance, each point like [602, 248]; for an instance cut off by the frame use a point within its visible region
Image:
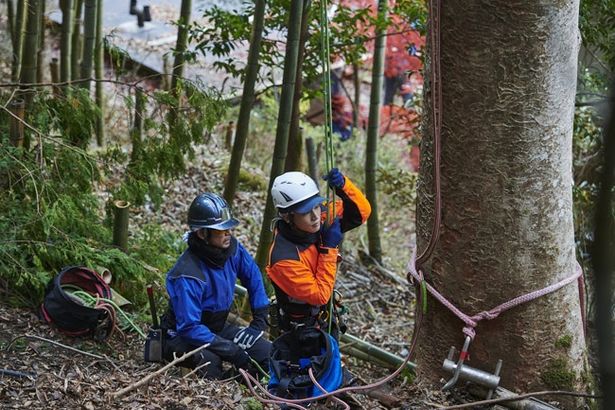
[295, 191]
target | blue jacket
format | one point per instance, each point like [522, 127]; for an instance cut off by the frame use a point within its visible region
[201, 296]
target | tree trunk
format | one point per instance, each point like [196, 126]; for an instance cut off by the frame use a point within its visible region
[295, 141]
[356, 106]
[180, 48]
[603, 261]
[373, 133]
[76, 39]
[89, 41]
[283, 126]
[247, 100]
[10, 21]
[65, 40]
[41, 44]
[28, 62]
[18, 36]
[506, 227]
[99, 66]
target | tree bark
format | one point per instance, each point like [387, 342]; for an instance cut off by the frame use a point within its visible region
[247, 100]
[295, 137]
[506, 228]
[99, 66]
[28, 62]
[18, 38]
[281, 137]
[76, 40]
[65, 40]
[373, 133]
[180, 48]
[89, 41]
[41, 44]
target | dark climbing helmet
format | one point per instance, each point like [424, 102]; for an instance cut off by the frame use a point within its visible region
[210, 211]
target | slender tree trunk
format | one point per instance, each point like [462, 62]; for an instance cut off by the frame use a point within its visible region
[180, 48]
[28, 61]
[357, 95]
[506, 227]
[65, 40]
[10, 23]
[89, 40]
[28, 64]
[99, 73]
[284, 117]
[603, 260]
[41, 44]
[136, 133]
[295, 142]
[373, 133]
[18, 35]
[76, 40]
[247, 100]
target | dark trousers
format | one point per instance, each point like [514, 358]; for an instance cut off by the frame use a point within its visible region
[259, 352]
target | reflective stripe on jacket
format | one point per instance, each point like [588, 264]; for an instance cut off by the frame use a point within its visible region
[305, 273]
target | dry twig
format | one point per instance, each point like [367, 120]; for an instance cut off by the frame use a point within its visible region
[147, 378]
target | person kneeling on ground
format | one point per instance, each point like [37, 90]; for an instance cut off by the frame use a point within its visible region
[302, 267]
[201, 288]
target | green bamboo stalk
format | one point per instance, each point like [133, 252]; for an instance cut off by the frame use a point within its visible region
[373, 128]
[312, 160]
[182, 42]
[76, 39]
[120, 224]
[357, 95]
[41, 43]
[295, 141]
[136, 133]
[28, 60]
[18, 33]
[65, 40]
[99, 65]
[10, 26]
[283, 126]
[247, 100]
[89, 41]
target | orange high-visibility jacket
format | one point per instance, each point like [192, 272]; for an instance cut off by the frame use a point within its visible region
[305, 272]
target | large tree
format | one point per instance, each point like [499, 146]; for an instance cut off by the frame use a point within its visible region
[508, 80]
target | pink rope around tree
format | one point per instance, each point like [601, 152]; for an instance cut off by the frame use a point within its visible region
[472, 321]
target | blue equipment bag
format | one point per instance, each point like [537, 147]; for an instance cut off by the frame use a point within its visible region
[293, 353]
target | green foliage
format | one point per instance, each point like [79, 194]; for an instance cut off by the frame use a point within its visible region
[161, 153]
[350, 35]
[51, 216]
[399, 183]
[597, 24]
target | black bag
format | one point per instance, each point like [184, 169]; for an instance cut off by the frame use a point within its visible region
[68, 313]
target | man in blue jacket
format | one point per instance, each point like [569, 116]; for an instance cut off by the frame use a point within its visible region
[201, 290]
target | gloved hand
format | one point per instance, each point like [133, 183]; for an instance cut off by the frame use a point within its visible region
[247, 337]
[230, 352]
[259, 318]
[332, 236]
[335, 178]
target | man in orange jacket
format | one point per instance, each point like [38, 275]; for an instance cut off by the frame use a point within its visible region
[303, 256]
[302, 267]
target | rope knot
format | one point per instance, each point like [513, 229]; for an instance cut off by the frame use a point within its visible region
[469, 331]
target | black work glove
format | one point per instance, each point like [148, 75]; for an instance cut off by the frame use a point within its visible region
[230, 352]
[332, 235]
[259, 318]
[247, 337]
